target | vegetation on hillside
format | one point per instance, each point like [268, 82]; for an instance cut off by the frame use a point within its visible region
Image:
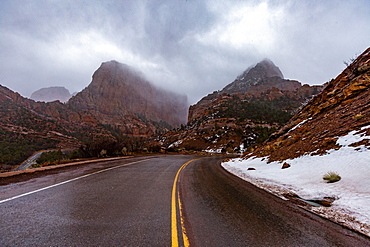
[15, 148]
[257, 111]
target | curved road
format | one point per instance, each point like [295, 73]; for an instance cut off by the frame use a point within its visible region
[155, 201]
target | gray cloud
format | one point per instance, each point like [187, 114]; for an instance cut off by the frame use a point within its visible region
[192, 47]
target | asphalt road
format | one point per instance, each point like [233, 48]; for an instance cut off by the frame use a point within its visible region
[150, 201]
[28, 162]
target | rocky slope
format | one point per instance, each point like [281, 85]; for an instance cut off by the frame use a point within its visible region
[51, 94]
[245, 112]
[120, 96]
[343, 106]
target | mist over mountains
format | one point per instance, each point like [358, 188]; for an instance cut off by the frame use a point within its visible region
[121, 103]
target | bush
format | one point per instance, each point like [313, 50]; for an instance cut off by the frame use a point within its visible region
[331, 177]
[50, 157]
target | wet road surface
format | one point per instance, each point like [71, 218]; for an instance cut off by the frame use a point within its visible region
[131, 203]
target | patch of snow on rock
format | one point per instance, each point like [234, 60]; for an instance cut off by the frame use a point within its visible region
[300, 124]
[175, 144]
[214, 151]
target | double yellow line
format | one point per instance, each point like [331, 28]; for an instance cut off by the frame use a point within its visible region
[175, 206]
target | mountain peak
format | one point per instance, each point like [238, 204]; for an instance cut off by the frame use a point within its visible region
[264, 69]
[262, 76]
[111, 72]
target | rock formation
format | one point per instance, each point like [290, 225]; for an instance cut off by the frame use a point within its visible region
[120, 96]
[50, 94]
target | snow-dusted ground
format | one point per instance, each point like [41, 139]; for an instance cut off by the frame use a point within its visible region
[305, 178]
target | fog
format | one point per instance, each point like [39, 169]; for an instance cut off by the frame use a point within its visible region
[187, 46]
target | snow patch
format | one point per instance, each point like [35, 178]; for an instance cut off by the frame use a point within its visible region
[305, 179]
[300, 124]
[213, 151]
[175, 144]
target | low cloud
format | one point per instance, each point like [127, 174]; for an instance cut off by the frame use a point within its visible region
[191, 47]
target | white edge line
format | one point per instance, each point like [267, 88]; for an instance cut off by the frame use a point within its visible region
[67, 181]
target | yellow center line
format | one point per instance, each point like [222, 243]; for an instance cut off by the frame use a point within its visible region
[175, 237]
[182, 221]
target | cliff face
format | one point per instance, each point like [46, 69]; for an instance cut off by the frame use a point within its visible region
[119, 95]
[51, 94]
[244, 113]
[343, 106]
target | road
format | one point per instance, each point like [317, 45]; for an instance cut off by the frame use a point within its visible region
[29, 162]
[155, 201]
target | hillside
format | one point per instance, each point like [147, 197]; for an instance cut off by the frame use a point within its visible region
[330, 134]
[243, 113]
[27, 126]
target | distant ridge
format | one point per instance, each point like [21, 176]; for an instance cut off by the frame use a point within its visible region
[50, 94]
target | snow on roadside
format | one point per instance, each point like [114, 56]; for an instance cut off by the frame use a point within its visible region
[305, 179]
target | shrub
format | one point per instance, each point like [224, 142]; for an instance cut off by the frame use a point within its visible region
[331, 177]
[358, 116]
[50, 157]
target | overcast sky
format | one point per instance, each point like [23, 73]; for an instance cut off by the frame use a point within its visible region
[192, 47]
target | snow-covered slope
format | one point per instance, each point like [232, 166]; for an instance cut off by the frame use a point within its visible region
[305, 179]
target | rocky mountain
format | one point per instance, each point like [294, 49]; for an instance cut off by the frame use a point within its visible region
[50, 94]
[243, 113]
[343, 106]
[120, 96]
